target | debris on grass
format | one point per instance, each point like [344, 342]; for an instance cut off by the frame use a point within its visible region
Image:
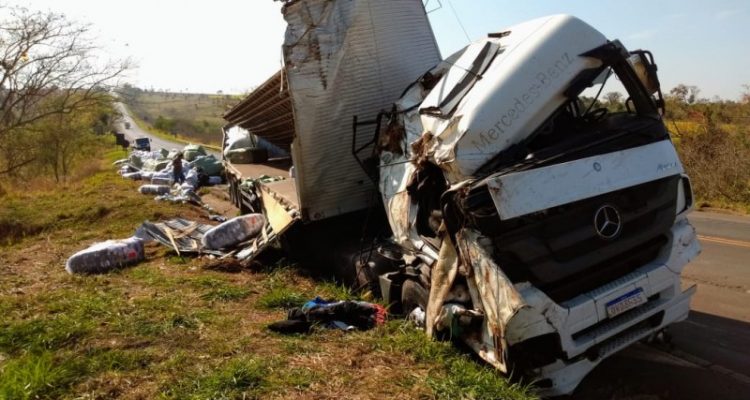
[343, 315]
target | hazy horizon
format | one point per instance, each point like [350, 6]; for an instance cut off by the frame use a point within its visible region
[232, 46]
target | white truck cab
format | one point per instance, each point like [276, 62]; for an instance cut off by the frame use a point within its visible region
[524, 217]
[549, 231]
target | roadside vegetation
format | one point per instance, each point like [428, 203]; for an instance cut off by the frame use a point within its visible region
[54, 97]
[713, 140]
[189, 117]
[180, 328]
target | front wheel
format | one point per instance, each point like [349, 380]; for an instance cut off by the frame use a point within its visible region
[413, 295]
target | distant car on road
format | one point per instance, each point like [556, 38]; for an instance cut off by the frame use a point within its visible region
[142, 143]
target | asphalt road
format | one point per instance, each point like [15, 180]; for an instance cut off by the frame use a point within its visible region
[709, 356]
[135, 131]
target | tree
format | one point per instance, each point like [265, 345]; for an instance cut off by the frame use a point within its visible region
[685, 94]
[65, 138]
[614, 101]
[746, 94]
[43, 55]
[613, 97]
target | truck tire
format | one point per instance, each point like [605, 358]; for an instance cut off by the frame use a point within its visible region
[413, 295]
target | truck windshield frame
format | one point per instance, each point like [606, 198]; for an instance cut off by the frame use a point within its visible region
[615, 56]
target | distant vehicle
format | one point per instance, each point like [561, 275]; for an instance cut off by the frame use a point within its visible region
[127, 125]
[142, 143]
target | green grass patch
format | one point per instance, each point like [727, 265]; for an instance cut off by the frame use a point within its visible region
[226, 293]
[102, 206]
[336, 291]
[38, 335]
[50, 375]
[169, 328]
[236, 379]
[281, 297]
[37, 376]
[460, 376]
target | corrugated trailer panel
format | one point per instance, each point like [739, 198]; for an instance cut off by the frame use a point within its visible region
[346, 58]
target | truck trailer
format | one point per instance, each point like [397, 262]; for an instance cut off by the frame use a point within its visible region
[487, 194]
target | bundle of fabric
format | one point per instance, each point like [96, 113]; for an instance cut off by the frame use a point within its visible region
[344, 315]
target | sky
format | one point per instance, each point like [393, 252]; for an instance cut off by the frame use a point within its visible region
[234, 45]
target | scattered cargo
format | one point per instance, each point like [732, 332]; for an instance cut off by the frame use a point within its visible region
[106, 256]
[154, 189]
[233, 232]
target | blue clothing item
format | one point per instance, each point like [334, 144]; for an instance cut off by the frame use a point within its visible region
[314, 303]
[179, 177]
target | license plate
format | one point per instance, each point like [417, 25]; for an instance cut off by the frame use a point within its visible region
[625, 302]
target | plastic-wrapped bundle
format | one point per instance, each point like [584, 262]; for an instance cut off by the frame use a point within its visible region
[192, 151]
[156, 165]
[147, 175]
[214, 180]
[126, 169]
[154, 189]
[106, 256]
[234, 231]
[191, 178]
[136, 176]
[209, 164]
[162, 179]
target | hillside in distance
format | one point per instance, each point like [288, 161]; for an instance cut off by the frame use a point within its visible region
[193, 117]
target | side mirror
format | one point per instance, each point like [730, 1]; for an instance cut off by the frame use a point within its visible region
[645, 69]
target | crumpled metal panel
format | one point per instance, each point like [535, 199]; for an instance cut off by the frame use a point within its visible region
[495, 294]
[185, 236]
[345, 59]
[442, 277]
[519, 89]
[180, 234]
[266, 112]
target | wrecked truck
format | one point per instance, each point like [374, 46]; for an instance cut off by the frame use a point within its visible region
[485, 193]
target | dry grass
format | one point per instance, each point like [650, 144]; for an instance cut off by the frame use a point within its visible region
[717, 159]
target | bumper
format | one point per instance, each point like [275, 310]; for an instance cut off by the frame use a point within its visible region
[564, 376]
[587, 334]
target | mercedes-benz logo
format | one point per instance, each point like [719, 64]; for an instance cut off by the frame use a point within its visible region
[607, 222]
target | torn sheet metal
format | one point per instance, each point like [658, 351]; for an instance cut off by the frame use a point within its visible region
[179, 234]
[280, 216]
[185, 236]
[498, 298]
[345, 59]
[442, 277]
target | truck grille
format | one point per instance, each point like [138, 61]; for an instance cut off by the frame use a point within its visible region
[560, 252]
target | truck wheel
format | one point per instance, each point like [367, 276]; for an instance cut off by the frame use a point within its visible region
[413, 295]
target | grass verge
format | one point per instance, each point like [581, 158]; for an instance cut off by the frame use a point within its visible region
[171, 327]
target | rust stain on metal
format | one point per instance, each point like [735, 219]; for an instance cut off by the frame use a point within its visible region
[391, 140]
[420, 147]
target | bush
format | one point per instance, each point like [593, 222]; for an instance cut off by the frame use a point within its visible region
[718, 163]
